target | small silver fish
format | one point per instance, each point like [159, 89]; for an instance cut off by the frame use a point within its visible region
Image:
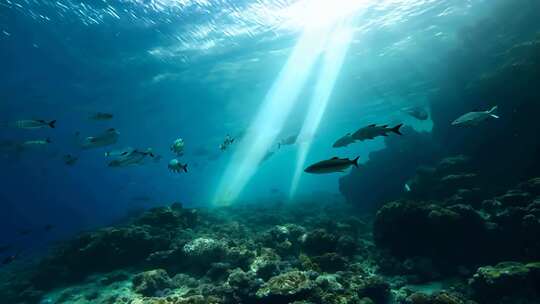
[33, 124]
[106, 138]
[36, 143]
[119, 152]
[417, 112]
[332, 165]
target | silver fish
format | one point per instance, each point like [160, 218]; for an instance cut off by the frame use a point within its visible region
[417, 112]
[373, 131]
[36, 143]
[332, 165]
[119, 152]
[33, 124]
[344, 141]
[134, 158]
[106, 138]
[475, 118]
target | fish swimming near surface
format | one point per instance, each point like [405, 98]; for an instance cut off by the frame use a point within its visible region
[344, 141]
[32, 124]
[69, 159]
[288, 141]
[175, 166]
[134, 158]
[417, 112]
[332, 165]
[373, 131]
[119, 152]
[101, 116]
[107, 138]
[476, 117]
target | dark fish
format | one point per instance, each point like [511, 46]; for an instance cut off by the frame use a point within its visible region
[9, 259]
[373, 131]
[69, 159]
[100, 116]
[332, 165]
[344, 141]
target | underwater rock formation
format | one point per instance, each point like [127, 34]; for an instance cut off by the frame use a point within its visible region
[505, 227]
[510, 280]
[383, 177]
[285, 288]
[148, 283]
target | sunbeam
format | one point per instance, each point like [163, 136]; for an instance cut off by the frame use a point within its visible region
[272, 115]
[338, 44]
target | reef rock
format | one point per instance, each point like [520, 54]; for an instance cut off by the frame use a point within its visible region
[148, 283]
[285, 288]
[506, 279]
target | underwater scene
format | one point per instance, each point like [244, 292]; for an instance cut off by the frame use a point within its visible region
[270, 151]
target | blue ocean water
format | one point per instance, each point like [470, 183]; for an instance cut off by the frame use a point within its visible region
[201, 70]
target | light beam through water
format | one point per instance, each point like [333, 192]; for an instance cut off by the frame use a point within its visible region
[338, 44]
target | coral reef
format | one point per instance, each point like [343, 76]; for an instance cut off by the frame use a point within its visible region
[303, 253]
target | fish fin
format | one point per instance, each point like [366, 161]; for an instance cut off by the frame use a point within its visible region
[396, 129]
[185, 168]
[494, 116]
[48, 140]
[355, 161]
[384, 126]
[493, 110]
[52, 124]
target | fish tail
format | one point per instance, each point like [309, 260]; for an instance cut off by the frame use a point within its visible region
[185, 168]
[396, 129]
[492, 111]
[52, 124]
[355, 161]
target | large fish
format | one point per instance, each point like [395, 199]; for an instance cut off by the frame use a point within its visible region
[476, 117]
[134, 158]
[344, 141]
[373, 131]
[106, 138]
[332, 165]
[33, 124]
